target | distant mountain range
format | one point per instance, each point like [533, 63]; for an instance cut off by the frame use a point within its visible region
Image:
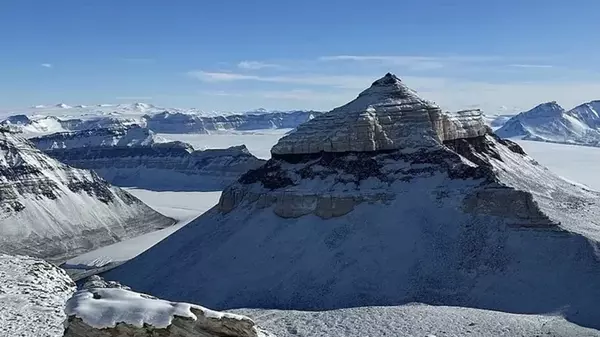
[42, 120]
[549, 122]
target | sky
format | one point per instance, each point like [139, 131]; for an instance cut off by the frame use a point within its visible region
[227, 55]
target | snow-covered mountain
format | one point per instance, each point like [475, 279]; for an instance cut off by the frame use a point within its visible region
[136, 157]
[45, 120]
[54, 211]
[549, 122]
[386, 201]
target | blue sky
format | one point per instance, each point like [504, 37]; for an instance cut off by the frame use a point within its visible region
[236, 55]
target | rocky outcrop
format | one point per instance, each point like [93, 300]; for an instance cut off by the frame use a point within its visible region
[53, 211]
[178, 122]
[100, 311]
[386, 201]
[134, 156]
[33, 294]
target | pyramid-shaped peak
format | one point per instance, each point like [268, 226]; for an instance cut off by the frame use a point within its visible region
[391, 87]
[386, 116]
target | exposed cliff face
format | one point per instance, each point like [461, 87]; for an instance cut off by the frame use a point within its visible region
[177, 122]
[386, 201]
[54, 211]
[134, 156]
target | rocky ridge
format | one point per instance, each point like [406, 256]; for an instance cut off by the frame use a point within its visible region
[135, 156]
[53, 211]
[178, 122]
[386, 201]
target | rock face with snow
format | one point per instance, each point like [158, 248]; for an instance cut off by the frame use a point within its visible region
[100, 311]
[33, 294]
[178, 122]
[549, 122]
[125, 136]
[135, 156]
[398, 203]
[54, 211]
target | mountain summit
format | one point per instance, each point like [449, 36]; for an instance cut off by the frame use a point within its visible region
[387, 116]
[388, 200]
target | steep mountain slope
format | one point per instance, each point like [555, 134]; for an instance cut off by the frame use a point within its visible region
[549, 122]
[53, 211]
[135, 156]
[385, 201]
[33, 294]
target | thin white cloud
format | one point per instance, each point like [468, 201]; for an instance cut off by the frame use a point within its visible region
[339, 81]
[46, 65]
[412, 62]
[257, 65]
[534, 66]
[133, 98]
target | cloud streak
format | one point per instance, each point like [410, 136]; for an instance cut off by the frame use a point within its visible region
[257, 65]
[338, 81]
[532, 66]
[46, 65]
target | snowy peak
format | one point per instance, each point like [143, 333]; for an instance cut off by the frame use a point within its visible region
[386, 116]
[63, 106]
[390, 87]
[588, 113]
[549, 122]
[544, 110]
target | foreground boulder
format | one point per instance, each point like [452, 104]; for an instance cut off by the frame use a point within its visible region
[384, 201]
[97, 311]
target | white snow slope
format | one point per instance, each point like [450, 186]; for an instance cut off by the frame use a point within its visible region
[412, 320]
[54, 211]
[33, 294]
[182, 206]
